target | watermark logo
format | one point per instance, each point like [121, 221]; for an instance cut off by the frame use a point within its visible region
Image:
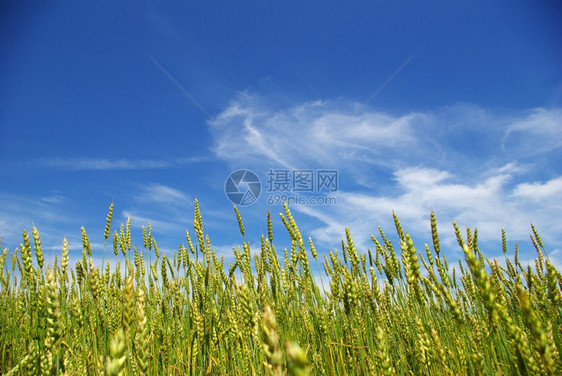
[296, 186]
[242, 187]
[285, 180]
[292, 186]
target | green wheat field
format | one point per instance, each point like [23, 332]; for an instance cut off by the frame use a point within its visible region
[396, 310]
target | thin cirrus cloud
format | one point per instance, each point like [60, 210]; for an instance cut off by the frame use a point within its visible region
[465, 162]
[102, 164]
[538, 132]
[159, 193]
[162, 206]
[291, 136]
[138, 221]
[23, 212]
[324, 132]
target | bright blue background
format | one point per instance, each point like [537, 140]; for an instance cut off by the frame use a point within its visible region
[471, 127]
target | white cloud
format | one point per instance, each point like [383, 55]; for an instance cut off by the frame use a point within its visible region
[324, 132]
[252, 133]
[450, 160]
[537, 191]
[538, 132]
[487, 206]
[555, 257]
[415, 178]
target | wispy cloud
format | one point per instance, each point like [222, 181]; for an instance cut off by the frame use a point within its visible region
[158, 225]
[462, 161]
[20, 211]
[538, 132]
[52, 199]
[162, 194]
[161, 205]
[291, 136]
[101, 164]
[460, 134]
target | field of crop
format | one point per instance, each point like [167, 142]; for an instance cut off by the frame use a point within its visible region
[396, 310]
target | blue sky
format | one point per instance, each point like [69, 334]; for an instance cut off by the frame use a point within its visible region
[451, 107]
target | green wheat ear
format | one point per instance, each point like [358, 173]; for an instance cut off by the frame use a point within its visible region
[108, 223]
[434, 234]
[297, 362]
[64, 261]
[38, 251]
[54, 319]
[198, 226]
[86, 242]
[269, 228]
[26, 258]
[118, 351]
[240, 224]
[142, 338]
[273, 353]
[379, 314]
[539, 337]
